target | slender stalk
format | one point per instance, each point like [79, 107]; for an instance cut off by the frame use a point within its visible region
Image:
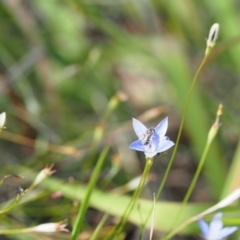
[211, 135]
[13, 231]
[118, 228]
[183, 225]
[181, 127]
[148, 165]
[153, 215]
[12, 204]
[81, 213]
[99, 227]
[190, 190]
[178, 137]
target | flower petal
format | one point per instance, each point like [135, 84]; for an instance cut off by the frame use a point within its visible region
[139, 128]
[151, 154]
[215, 226]
[155, 139]
[164, 145]
[227, 231]
[137, 145]
[161, 128]
[204, 227]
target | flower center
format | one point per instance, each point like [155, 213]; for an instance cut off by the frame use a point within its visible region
[150, 147]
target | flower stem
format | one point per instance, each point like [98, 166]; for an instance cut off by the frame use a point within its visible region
[81, 213]
[211, 135]
[114, 234]
[178, 136]
[181, 127]
[99, 227]
[13, 231]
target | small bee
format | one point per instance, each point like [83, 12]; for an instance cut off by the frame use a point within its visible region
[145, 139]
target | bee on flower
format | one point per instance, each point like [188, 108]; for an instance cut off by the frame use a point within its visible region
[151, 141]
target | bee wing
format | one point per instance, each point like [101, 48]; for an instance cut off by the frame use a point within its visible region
[139, 128]
[161, 128]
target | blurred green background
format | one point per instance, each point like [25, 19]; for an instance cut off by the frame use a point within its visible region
[61, 63]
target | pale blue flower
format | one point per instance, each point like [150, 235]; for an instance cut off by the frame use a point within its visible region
[215, 230]
[151, 141]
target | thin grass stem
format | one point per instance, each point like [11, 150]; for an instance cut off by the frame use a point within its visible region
[180, 128]
[178, 137]
[211, 135]
[118, 228]
[81, 213]
[149, 162]
[99, 227]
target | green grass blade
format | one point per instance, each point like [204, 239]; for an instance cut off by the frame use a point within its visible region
[85, 203]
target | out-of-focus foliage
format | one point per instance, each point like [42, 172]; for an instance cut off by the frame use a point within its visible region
[69, 68]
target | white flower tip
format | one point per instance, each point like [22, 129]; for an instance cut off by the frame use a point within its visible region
[2, 120]
[213, 35]
[47, 171]
[50, 227]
